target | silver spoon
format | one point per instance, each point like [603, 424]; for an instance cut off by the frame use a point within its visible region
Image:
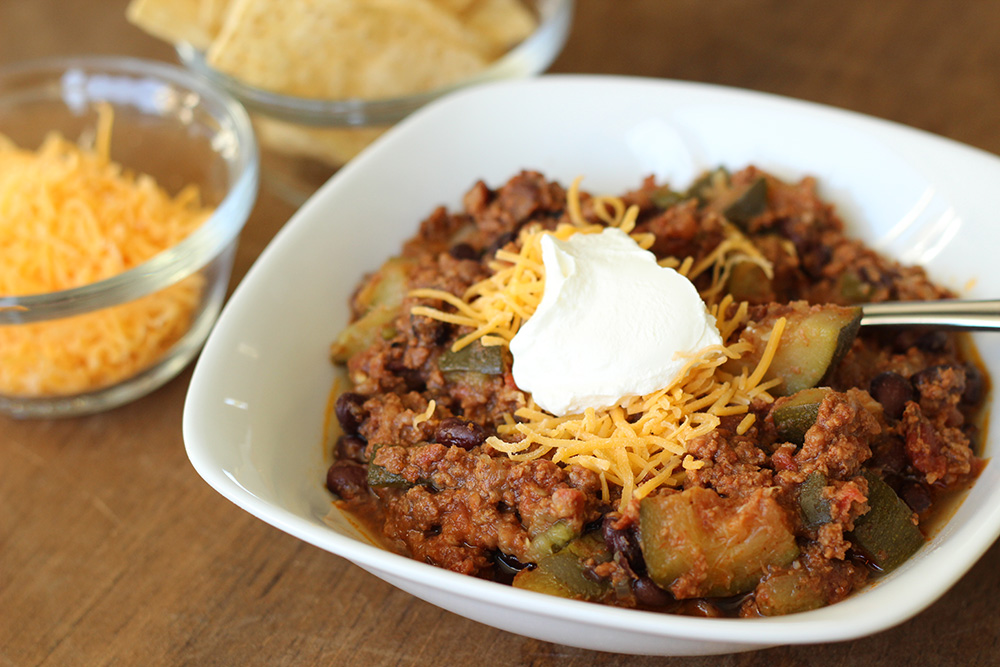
[949, 314]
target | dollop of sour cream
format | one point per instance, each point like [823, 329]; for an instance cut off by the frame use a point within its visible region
[609, 326]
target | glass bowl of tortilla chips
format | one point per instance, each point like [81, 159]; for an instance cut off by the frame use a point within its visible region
[323, 78]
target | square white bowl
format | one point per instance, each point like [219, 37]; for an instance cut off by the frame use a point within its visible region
[253, 420]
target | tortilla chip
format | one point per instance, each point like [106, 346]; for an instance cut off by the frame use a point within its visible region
[336, 49]
[455, 6]
[196, 22]
[501, 23]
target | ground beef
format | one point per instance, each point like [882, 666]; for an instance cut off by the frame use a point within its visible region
[941, 454]
[817, 579]
[734, 465]
[390, 419]
[684, 230]
[464, 505]
[840, 440]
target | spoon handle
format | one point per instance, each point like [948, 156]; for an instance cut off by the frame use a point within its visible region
[949, 314]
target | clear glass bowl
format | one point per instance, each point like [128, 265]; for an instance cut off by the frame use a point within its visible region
[173, 126]
[305, 140]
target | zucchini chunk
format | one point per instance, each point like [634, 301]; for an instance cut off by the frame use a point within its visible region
[813, 342]
[379, 301]
[704, 187]
[795, 415]
[663, 197]
[551, 540]
[748, 282]
[886, 534]
[719, 546]
[565, 573]
[379, 477]
[814, 506]
[748, 205]
[789, 592]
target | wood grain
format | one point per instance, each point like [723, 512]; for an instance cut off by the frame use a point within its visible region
[114, 552]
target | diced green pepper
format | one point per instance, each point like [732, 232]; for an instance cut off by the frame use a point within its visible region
[886, 534]
[725, 544]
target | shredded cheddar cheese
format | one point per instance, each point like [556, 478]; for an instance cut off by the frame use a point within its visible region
[640, 445]
[69, 217]
[426, 414]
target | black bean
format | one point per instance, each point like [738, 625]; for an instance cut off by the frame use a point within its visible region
[463, 251]
[975, 385]
[351, 448]
[347, 479]
[442, 332]
[509, 562]
[350, 411]
[916, 495]
[932, 341]
[889, 454]
[457, 432]
[949, 377]
[623, 541]
[649, 594]
[701, 608]
[506, 567]
[498, 243]
[893, 391]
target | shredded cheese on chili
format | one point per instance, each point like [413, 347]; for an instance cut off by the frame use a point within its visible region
[641, 445]
[425, 415]
[69, 216]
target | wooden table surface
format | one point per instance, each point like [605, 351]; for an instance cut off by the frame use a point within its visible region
[114, 551]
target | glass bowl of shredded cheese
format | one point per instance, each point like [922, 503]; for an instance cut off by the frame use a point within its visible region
[124, 185]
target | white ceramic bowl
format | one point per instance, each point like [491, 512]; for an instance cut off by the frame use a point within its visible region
[254, 416]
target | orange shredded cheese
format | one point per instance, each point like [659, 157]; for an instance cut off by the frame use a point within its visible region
[69, 216]
[426, 414]
[640, 445]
